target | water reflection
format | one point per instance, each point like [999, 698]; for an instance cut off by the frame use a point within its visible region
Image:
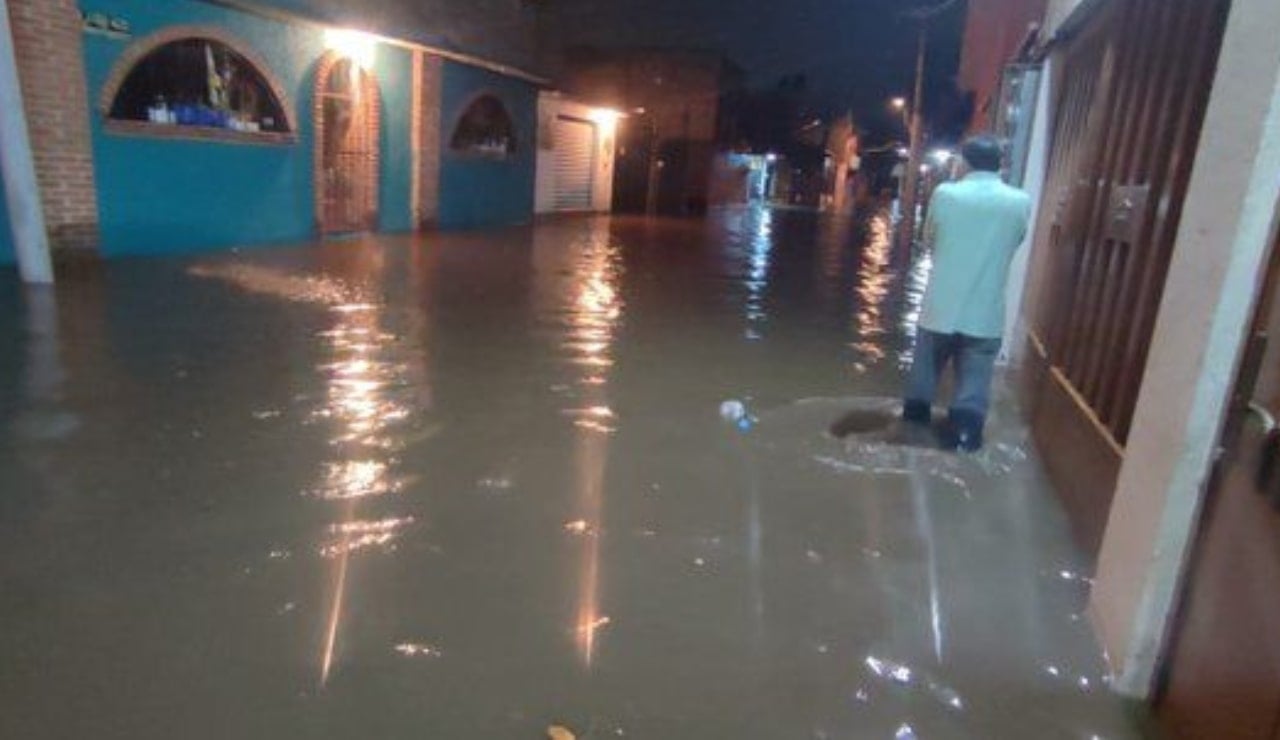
[365, 407]
[756, 282]
[917, 281]
[365, 411]
[871, 292]
[593, 311]
[832, 247]
[43, 416]
[614, 518]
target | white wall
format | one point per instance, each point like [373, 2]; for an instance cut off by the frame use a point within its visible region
[17, 168]
[551, 105]
[1037, 160]
[1059, 11]
[1218, 263]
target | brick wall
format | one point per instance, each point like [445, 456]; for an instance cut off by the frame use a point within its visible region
[49, 46]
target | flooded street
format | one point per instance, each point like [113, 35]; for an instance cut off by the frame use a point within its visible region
[472, 485]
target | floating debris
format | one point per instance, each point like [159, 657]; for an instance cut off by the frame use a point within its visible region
[557, 732]
[888, 669]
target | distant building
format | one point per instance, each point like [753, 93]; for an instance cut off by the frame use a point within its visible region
[674, 121]
[576, 145]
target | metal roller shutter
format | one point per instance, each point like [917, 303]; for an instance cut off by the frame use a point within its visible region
[575, 146]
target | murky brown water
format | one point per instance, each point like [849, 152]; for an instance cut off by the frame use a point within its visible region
[472, 486]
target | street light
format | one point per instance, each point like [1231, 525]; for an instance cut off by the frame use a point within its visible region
[357, 46]
[899, 104]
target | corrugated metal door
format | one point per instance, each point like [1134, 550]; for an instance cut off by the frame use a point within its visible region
[1135, 84]
[575, 164]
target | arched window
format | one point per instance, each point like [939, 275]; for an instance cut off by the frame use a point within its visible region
[198, 81]
[485, 128]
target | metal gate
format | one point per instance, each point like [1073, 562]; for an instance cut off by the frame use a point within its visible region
[347, 147]
[575, 164]
[1133, 86]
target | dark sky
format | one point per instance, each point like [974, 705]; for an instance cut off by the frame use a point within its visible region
[855, 53]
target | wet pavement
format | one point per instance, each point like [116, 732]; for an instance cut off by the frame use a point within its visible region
[475, 485]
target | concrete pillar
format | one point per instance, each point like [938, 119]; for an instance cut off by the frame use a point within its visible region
[1033, 182]
[1218, 263]
[30, 240]
[48, 39]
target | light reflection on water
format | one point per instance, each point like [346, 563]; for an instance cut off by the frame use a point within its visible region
[365, 409]
[917, 281]
[730, 554]
[592, 310]
[756, 281]
[871, 291]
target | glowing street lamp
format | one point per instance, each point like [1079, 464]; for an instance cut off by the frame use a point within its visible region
[361, 48]
[606, 118]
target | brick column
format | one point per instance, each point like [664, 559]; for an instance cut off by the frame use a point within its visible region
[47, 38]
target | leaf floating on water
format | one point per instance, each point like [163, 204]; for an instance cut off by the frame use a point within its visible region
[556, 732]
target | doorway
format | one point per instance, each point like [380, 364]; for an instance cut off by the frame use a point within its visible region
[1222, 675]
[575, 164]
[347, 152]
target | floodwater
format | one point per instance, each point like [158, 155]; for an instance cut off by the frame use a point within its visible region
[471, 486]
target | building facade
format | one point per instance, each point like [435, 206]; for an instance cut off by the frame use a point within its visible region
[161, 127]
[667, 142]
[576, 144]
[1149, 373]
[994, 32]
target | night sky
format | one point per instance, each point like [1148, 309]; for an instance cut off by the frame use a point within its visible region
[855, 54]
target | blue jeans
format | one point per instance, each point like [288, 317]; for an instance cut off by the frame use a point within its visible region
[974, 360]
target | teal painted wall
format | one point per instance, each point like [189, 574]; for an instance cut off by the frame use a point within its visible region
[165, 195]
[475, 191]
[395, 80]
[6, 234]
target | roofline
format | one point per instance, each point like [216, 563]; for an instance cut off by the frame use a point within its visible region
[287, 16]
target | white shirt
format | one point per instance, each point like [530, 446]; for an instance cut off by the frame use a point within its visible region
[978, 224]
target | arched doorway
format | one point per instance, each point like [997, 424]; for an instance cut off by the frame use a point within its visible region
[347, 121]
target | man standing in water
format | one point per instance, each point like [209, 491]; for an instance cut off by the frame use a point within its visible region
[975, 226]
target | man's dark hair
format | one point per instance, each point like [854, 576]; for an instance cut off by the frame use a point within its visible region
[983, 152]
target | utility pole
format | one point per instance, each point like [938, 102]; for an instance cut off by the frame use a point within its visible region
[915, 156]
[911, 178]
